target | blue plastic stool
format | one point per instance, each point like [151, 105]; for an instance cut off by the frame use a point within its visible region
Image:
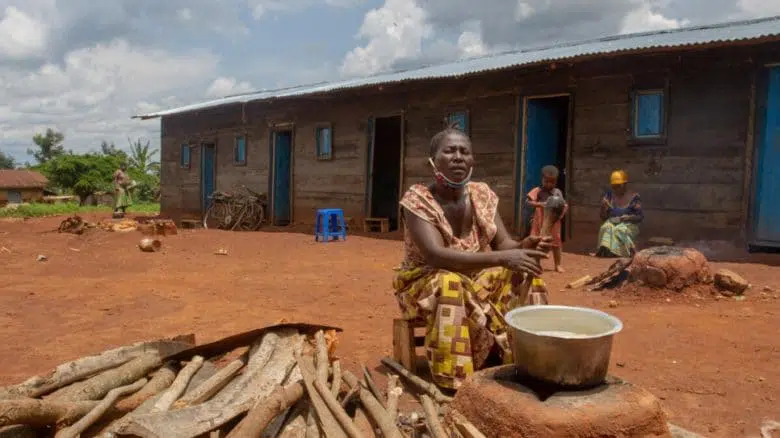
[330, 223]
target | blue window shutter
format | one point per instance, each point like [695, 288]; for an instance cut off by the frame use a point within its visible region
[240, 150]
[649, 114]
[324, 143]
[460, 119]
[185, 155]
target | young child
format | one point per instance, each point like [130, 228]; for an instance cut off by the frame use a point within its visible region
[536, 199]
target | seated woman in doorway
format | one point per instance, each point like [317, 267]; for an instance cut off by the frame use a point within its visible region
[462, 271]
[621, 211]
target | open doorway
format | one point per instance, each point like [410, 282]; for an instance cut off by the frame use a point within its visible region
[545, 141]
[385, 168]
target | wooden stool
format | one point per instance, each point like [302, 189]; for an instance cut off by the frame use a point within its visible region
[190, 223]
[405, 342]
[370, 223]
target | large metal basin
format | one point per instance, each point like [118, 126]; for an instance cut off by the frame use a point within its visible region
[562, 345]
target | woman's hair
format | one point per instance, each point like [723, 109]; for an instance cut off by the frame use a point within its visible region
[550, 171]
[450, 129]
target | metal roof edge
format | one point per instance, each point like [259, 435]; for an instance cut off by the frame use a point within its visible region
[418, 74]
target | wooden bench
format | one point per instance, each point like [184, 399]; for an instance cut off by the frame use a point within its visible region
[191, 223]
[405, 341]
[370, 223]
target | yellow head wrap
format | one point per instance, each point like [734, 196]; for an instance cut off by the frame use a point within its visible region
[618, 177]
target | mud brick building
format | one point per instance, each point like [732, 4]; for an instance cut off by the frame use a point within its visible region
[692, 114]
[18, 186]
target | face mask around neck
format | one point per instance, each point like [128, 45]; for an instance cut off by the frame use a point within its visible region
[448, 182]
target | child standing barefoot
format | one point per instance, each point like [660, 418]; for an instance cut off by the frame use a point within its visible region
[536, 199]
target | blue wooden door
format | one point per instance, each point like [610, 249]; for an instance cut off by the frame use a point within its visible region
[767, 206]
[207, 174]
[281, 193]
[542, 136]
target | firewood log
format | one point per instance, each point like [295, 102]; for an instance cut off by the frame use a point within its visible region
[179, 384]
[94, 415]
[393, 394]
[335, 387]
[161, 380]
[38, 413]
[95, 388]
[261, 415]
[213, 385]
[196, 420]
[432, 417]
[386, 424]
[419, 383]
[81, 368]
[327, 420]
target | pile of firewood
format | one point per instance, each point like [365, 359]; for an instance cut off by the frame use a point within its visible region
[284, 381]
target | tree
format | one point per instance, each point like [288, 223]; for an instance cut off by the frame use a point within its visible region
[49, 145]
[6, 161]
[141, 156]
[84, 174]
[110, 149]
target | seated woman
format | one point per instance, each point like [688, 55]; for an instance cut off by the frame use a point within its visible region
[621, 211]
[461, 270]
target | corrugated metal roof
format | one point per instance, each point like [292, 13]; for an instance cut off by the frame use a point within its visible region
[21, 179]
[647, 41]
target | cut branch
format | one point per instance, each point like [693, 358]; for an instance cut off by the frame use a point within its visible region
[161, 380]
[337, 410]
[212, 386]
[417, 382]
[179, 385]
[94, 415]
[76, 370]
[393, 394]
[266, 410]
[372, 386]
[336, 384]
[97, 387]
[375, 410]
[432, 417]
[39, 413]
[321, 356]
[329, 424]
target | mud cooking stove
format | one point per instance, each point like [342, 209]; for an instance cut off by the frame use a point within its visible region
[559, 385]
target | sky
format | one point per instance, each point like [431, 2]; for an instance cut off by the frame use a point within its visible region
[84, 67]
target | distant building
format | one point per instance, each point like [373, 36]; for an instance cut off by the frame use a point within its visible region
[17, 186]
[692, 114]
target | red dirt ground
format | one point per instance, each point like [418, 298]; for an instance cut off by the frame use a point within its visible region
[713, 363]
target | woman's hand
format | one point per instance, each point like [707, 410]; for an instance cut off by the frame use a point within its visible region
[524, 260]
[538, 243]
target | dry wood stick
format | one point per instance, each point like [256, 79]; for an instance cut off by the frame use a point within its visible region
[432, 417]
[39, 413]
[321, 356]
[81, 368]
[179, 385]
[371, 385]
[329, 423]
[352, 393]
[94, 415]
[207, 389]
[419, 383]
[312, 428]
[336, 384]
[97, 387]
[337, 410]
[465, 427]
[393, 394]
[161, 379]
[199, 419]
[582, 281]
[264, 412]
[375, 410]
[294, 426]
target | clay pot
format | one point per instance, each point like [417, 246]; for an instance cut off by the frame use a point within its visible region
[150, 245]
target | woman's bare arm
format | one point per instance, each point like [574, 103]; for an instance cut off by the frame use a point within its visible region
[431, 245]
[503, 241]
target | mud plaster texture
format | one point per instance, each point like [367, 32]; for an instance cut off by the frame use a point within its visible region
[499, 406]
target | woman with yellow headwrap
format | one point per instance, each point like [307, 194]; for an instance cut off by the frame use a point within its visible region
[621, 212]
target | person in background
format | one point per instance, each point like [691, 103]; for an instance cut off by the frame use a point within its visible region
[122, 186]
[621, 211]
[461, 271]
[536, 199]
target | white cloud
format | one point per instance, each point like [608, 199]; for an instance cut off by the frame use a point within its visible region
[21, 36]
[759, 8]
[261, 8]
[93, 93]
[523, 10]
[644, 19]
[184, 14]
[226, 86]
[394, 31]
